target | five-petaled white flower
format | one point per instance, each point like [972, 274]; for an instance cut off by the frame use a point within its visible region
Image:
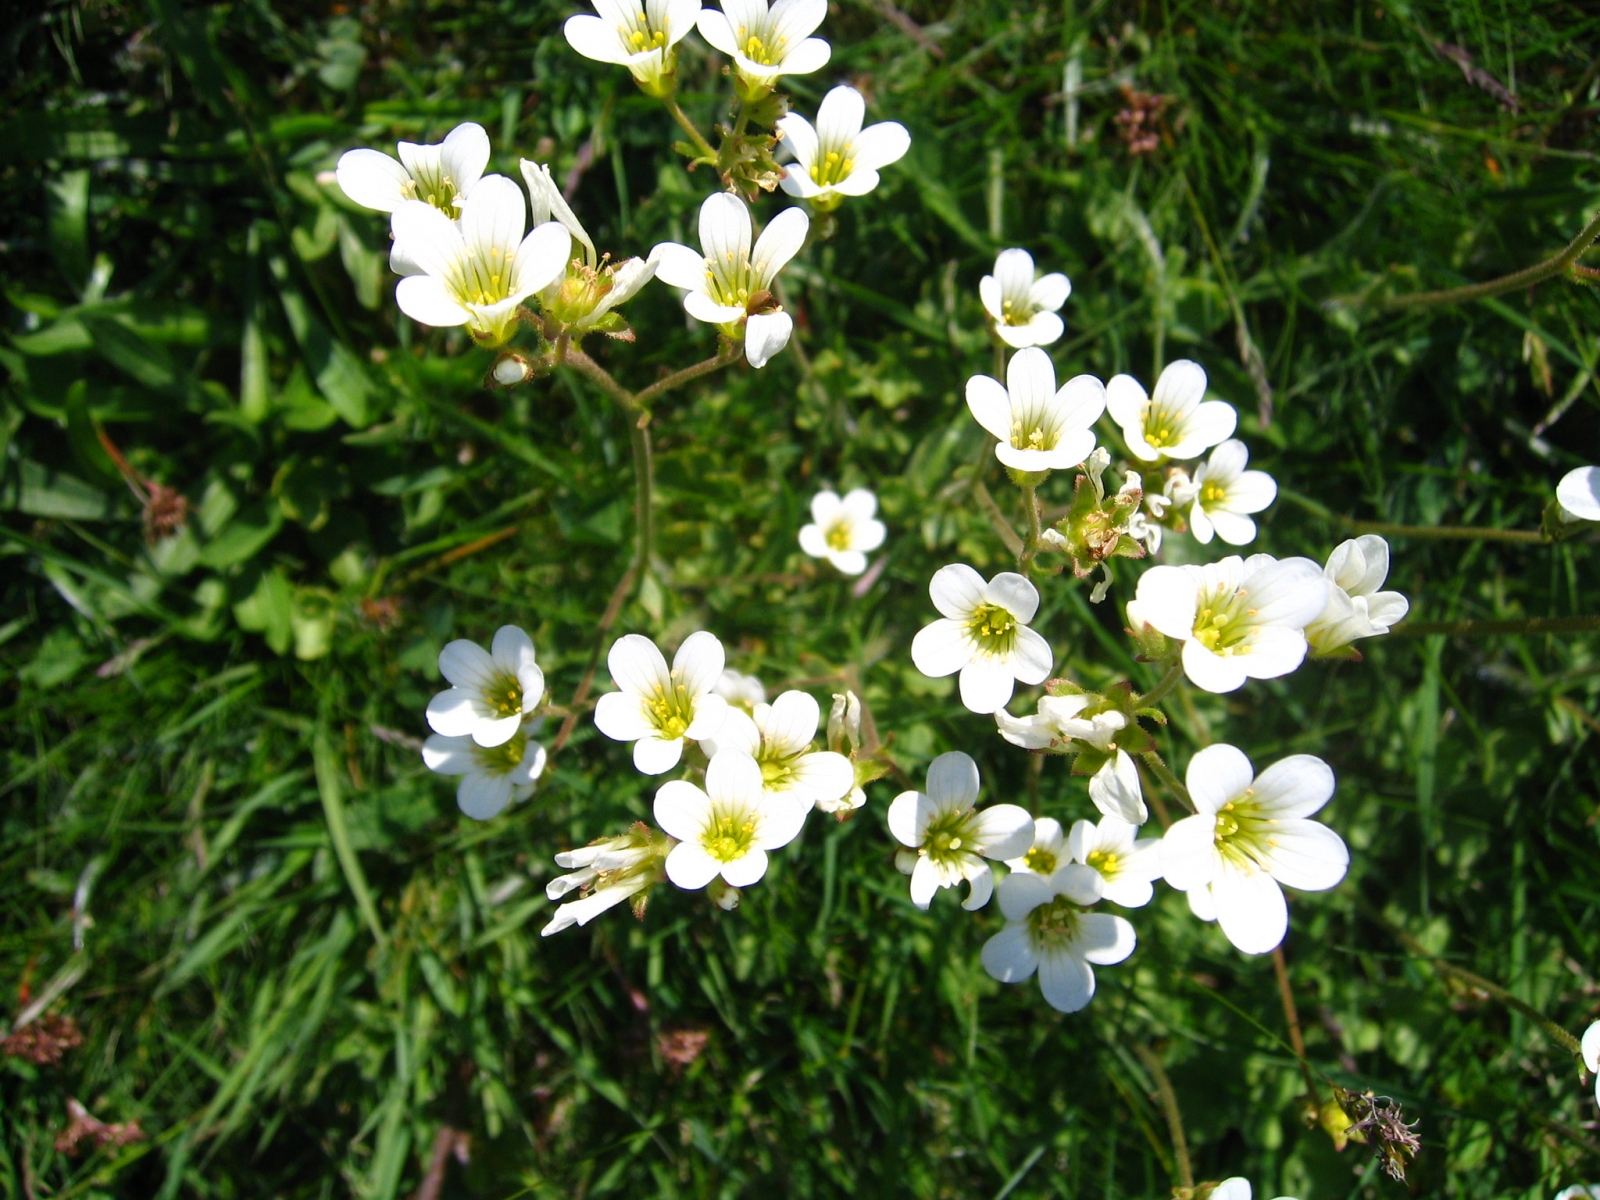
[583, 296]
[983, 633]
[779, 737]
[1356, 608]
[1236, 1188]
[1128, 864]
[1024, 308]
[740, 691]
[728, 828]
[1049, 931]
[656, 708]
[1250, 834]
[440, 175]
[730, 286]
[1039, 428]
[1238, 619]
[1223, 494]
[491, 776]
[838, 158]
[1114, 787]
[1578, 494]
[1049, 849]
[607, 872]
[764, 42]
[641, 35]
[1177, 422]
[1590, 1046]
[947, 839]
[489, 690]
[843, 530]
[477, 272]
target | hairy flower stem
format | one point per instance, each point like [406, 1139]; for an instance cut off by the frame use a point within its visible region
[1291, 1016]
[1163, 687]
[1169, 1107]
[1582, 624]
[728, 354]
[1008, 535]
[1526, 277]
[1030, 548]
[1453, 533]
[644, 474]
[689, 127]
[1164, 773]
[608, 618]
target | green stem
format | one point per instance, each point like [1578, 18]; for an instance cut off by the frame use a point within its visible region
[1030, 548]
[1165, 685]
[1584, 624]
[1000, 360]
[597, 374]
[1454, 533]
[644, 476]
[689, 127]
[1526, 277]
[1164, 773]
[1169, 1107]
[997, 518]
[1291, 1015]
[727, 355]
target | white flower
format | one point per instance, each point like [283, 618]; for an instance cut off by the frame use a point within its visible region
[728, 285]
[1114, 787]
[1580, 1191]
[1177, 422]
[1143, 529]
[477, 273]
[1049, 932]
[1590, 1047]
[1356, 608]
[838, 158]
[1049, 849]
[728, 828]
[779, 736]
[1039, 428]
[765, 43]
[1238, 619]
[489, 690]
[582, 297]
[656, 709]
[1578, 494]
[440, 175]
[1224, 493]
[741, 691]
[984, 634]
[639, 36]
[1024, 308]
[947, 839]
[1250, 834]
[491, 776]
[1127, 867]
[608, 872]
[1236, 1188]
[843, 530]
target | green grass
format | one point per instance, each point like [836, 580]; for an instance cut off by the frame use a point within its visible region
[178, 720]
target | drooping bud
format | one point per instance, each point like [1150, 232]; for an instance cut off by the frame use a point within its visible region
[844, 724]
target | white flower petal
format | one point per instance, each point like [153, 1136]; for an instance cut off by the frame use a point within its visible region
[1189, 857]
[1590, 1047]
[427, 301]
[496, 731]
[454, 712]
[448, 755]
[980, 888]
[1021, 892]
[1579, 493]
[1104, 939]
[699, 662]
[1306, 855]
[637, 665]
[1014, 593]
[779, 242]
[1066, 981]
[620, 717]
[1008, 956]
[1003, 830]
[990, 406]
[733, 780]
[956, 590]
[925, 881]
[790, 723]
[372, 179]
[745, 870]
[986, 685]
[1217, 775]
[1211, 672]
[765, 334]
[953, 782]
[655, 756]
[690, 867]
[1250, 908]
[482, 796]
[1031, 657]
[942, 648]
[909, 814]
[682, 810]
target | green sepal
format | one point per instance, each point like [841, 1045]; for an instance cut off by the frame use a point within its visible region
[1063, 687]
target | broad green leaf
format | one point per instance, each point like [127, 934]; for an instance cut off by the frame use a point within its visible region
[69, 225]
[269, 610]
[243, 537]
[41, 492]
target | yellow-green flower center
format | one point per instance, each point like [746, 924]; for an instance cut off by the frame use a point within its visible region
[1243, 832]
[642, 39]
[728, 835]
[993, 628]
[1212, 495]
[670, 710]
[1033, 436]
[1015, 312]
[1054, 924]
[1161, 428]
[1103, 861]
[833, 167]
[1223, 621]
[504, 695]
[757, 50]
[950, 837]
[777, 770]
[1040, 861]
[501, 759]
[731, 281]
[838, 536]
[435, 188]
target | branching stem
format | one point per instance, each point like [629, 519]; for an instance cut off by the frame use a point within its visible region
[1164, 773]
[727, 354]
[689, 127]
[1163, 686]
[1526, 277]
[1008, 535]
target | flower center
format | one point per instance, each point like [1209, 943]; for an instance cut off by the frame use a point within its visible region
[833, 167]
[504, 694]
[993, 628]
[1103, 861]
[1223, 623]
[838, 536]
[1053, 925]
[642, 39]
[731, 281]
[1213, 495]
[728, 835]
[670, 710]
[1015, 312]
[949, 837]
[1032, 436]
[436, 189]
[1040, 861]
[777, 771]
[757, 51]
[482, 276]
[1161, 428]
[501, 759]
[1243, 832]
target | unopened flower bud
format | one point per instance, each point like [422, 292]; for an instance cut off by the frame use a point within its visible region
[510, 370]
[844, 724]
